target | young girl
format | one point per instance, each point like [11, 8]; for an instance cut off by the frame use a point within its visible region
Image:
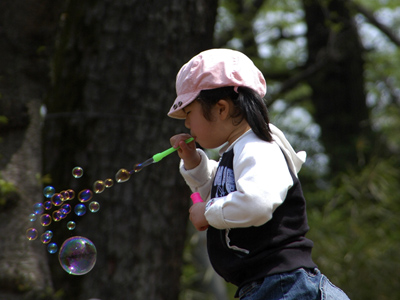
[255, 212]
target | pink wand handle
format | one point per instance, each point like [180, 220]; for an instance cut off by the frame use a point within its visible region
[196, 198]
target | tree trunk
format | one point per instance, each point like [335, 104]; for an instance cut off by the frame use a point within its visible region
[26, 30]
[113, 83]
[338, 88]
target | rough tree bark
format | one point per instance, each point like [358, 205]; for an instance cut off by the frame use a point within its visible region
[26, 28]
[113, 83]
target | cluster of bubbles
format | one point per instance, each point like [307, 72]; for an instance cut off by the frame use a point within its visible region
[77, 254]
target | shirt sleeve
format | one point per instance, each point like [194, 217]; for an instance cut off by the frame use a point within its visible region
[200, 178]
[262, 181]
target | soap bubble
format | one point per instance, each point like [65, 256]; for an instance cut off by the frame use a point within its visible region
[49, 233]
[80, 209]
[38, 208]
[64, 195]
[138, 168]
[47, 205]
[77, 255]
[45, 219]
[32, 217]
[52, 248]
[56, 216]
[66, 208]
[62, 214]
[108, 182]
[99, 186]
[49, 191]
[71, 225]
[122, 175]
[94, 206]
[85, 195]
[46, 238]
[77, 172]
[32, 234]
[71, 193]
[57, 199]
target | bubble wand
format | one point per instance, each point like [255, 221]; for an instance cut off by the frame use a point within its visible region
[124, 175]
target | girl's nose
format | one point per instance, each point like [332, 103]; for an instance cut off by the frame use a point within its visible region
[187, 124]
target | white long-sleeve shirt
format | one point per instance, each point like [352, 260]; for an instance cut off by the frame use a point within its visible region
[261, 178]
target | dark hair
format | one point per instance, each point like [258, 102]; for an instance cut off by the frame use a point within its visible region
[248, 104]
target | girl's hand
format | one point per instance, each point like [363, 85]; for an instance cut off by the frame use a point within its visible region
[197, 217]
[187, 152]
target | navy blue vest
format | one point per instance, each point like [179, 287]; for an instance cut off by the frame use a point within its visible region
[277, 246]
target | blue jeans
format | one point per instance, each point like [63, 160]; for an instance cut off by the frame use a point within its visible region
[301, 284]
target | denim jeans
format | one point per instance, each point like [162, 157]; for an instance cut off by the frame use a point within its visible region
[301, 284]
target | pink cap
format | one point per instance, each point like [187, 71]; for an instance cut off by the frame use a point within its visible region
[212, 69]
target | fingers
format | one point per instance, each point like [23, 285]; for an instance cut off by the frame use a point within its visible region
[178, 139]
[197, 216]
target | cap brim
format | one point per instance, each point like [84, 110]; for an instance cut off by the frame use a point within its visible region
[180, 102]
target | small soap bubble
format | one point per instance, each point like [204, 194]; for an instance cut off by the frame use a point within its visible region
[66, 208]
[71, 225]
[49, 233]
[52, 248]
[38, 208]
[62, 213]
[32, 234]
[99, 186]
[77, 172]
[47, 205]
[56, 216]
[77, 255]
[32, 217]
[65, 195]
[46, 238]
[80, 209]
[45, 219]
[71, 193]
[138, 168]
[57, 199]
[108, 182]
[85, 195]
[49, 191]
[94, 206]
[122, 175]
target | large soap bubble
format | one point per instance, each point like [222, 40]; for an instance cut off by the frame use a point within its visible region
[77, 255]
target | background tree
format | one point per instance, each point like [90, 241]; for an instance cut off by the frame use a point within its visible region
[332, 88]
[25, 31]
[113, 76]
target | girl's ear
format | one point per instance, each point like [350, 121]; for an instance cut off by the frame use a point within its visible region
[223, 108]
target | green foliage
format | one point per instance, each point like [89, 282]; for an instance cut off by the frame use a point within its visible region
[354, 217]
[377, 4]
[356, 231]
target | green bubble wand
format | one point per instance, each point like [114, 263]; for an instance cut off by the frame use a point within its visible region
[124, 175]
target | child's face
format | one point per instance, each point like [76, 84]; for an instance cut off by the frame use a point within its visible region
[207, 133]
